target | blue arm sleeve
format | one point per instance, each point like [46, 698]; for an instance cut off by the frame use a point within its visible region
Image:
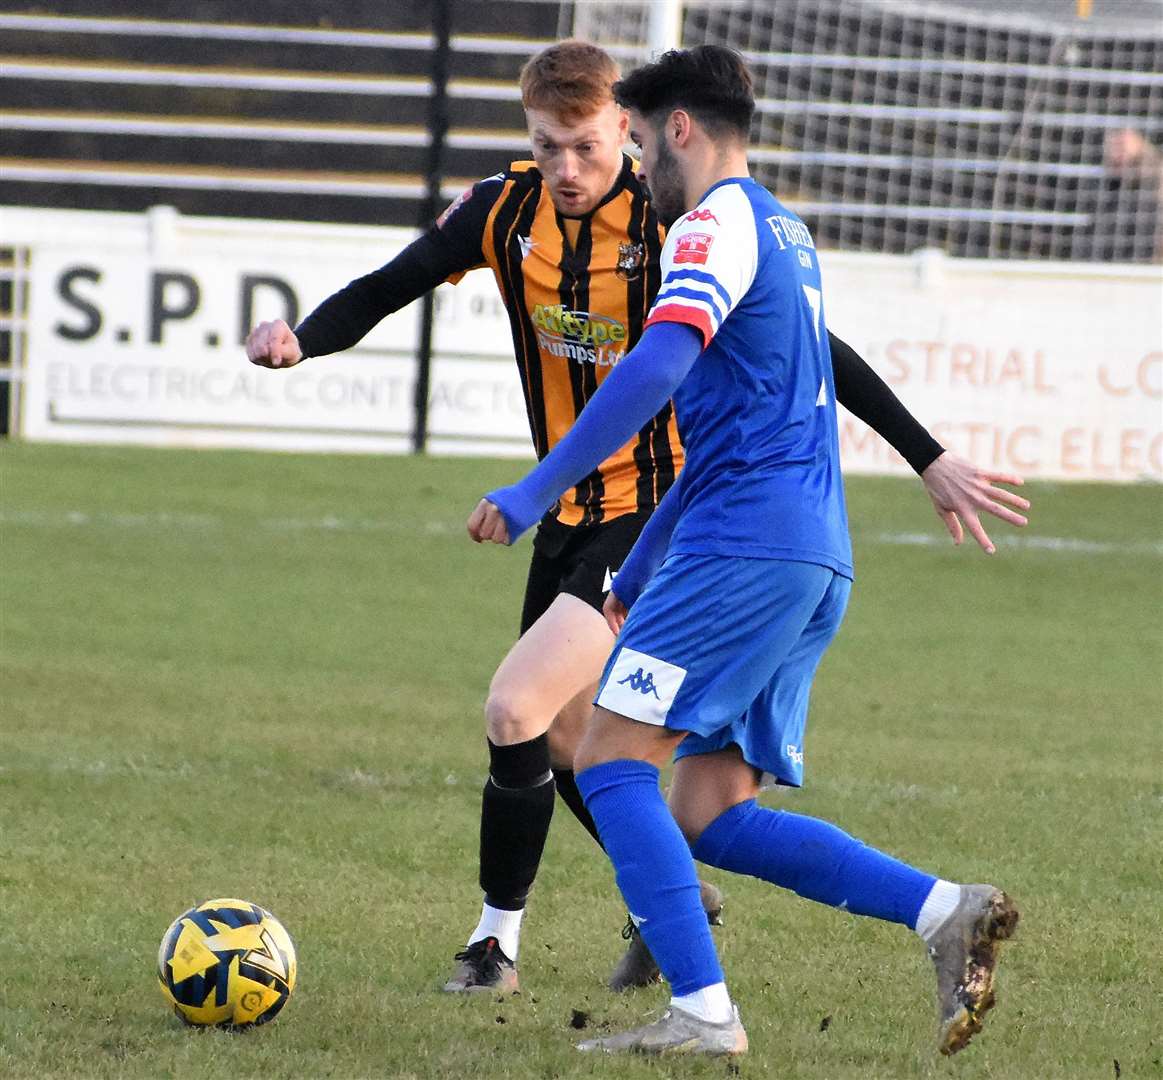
[629, 396]
[649, 549]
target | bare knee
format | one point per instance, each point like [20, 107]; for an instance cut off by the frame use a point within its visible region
[708, 785]
[691, 824]
[510, 718]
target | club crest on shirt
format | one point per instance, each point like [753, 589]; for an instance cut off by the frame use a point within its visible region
[693, 247]
[630, 259]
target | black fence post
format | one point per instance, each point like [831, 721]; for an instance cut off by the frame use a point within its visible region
[437, 129]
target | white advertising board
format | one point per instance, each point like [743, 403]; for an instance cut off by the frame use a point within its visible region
[134, 325]
[1048, 370]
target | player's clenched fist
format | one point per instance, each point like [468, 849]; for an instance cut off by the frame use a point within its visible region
[487, 523]
[273, 345]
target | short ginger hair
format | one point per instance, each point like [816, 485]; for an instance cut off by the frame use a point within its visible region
[571, 80]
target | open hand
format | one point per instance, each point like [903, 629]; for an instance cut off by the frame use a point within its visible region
[961, 492]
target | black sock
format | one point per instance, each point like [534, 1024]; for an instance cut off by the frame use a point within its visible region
[516, 809]
[568, 790]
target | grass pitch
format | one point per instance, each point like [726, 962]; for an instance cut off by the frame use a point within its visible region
[232, 674]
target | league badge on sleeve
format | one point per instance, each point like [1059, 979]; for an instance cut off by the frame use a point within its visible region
[455, 205]
[693, 247]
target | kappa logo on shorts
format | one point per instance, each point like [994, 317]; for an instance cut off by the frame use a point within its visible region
[641, 687]
[643, 683]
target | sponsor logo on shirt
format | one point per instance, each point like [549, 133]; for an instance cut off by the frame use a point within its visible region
[795, 754]
[693, 247]
[582, 336]
[701, 215]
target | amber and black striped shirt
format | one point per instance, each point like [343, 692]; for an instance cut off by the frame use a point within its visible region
[577, 291]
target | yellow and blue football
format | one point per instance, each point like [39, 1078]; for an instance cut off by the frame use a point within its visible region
[226, 963]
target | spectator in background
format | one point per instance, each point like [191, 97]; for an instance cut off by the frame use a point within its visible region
[1132, 189]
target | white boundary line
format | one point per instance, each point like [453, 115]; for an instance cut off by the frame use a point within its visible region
[1067, 545]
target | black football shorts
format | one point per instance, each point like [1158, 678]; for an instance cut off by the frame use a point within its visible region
[577, 559]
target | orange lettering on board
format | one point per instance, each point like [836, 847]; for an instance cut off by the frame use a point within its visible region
[1151, 360]
[1071, 450]
[975, 430]
[1013, 453]
[859, 440]
[1040, 383]
[1012, 368]
[891, 352]
[964, 361]
[1097, 464]
[1105, 382]
[930, 348]
[1131, 451]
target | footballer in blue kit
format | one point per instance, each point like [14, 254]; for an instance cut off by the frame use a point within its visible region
[737, 583]
[757, 517]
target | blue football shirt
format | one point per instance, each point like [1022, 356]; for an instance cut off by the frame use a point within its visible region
[757, 411]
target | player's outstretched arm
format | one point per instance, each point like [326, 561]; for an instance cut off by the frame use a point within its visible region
[444, 252]
[628, 398]
[273, 345]
[961, 492]
[868, 397]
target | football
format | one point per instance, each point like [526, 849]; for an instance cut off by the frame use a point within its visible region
[226, 963]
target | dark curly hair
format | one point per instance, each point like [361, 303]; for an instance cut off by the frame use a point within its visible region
[710, 82]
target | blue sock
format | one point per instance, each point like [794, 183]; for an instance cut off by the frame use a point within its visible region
[815, 860]
[654, 869]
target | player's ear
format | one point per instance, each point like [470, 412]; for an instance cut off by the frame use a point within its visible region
[678, 127]
[623, 125]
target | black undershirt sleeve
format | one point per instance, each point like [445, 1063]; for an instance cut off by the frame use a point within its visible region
[449, 247]
[866, 395]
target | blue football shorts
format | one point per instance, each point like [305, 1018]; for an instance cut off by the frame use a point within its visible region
[726, 648]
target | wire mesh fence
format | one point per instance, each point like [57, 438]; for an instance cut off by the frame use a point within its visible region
[987, 130]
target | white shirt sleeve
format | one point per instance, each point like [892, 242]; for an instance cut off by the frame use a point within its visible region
[708, 263]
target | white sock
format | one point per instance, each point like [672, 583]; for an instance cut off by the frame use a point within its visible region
[938, 906]
[711, 1003]
[504, 925]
